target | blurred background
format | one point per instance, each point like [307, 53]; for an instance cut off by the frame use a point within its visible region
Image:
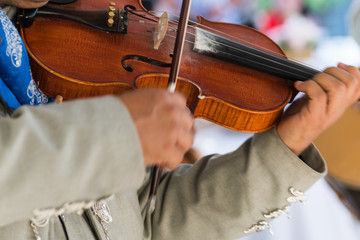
[320, 33]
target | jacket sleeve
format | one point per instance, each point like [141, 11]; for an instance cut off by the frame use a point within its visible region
[228, 196]
[74, 151]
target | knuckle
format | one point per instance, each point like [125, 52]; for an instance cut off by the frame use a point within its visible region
[331, 69]
[172, 132]
[353, 70]
[174, 116]
[353, 81]
[352, 85]
[319, 79]
[315, 83]
[180, 96]
[339, 86]
[352, 76]
[321, 95]
[320, 75]
[166, 98]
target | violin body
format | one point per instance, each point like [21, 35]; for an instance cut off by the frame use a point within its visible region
[74, 60]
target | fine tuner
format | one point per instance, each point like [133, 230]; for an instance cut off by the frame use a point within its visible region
[111, 14]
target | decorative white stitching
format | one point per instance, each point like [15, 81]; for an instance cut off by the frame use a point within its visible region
[261, 225]
[278, 212]
[42, 216]
[102, 211]
[297, 195]
[35, 231]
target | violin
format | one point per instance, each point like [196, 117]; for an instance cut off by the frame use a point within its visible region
[231, 75]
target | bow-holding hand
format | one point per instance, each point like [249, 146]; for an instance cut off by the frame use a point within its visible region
[164, 124]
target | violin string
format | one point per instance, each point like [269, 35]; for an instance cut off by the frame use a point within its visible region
[213, 30]
[263, 64]
[280, 62]
[241, 50]
[239, 57]
[241, 40]
[301, 64]
[274, 61]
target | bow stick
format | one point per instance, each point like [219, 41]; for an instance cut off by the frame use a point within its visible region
[174, 72]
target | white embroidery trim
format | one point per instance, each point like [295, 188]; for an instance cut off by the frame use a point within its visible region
[297, 195]
[102, 211]
[14, 48]
[35, 94]
[261, 225]
[278, 212]
[14, 51]
[42, 216]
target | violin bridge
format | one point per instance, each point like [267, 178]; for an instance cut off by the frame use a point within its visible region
[160, 30]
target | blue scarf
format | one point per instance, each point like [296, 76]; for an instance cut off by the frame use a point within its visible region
[17, 86]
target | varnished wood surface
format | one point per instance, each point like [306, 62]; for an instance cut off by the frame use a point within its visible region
[73, 60]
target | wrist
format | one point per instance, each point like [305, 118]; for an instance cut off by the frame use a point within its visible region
[294, 142]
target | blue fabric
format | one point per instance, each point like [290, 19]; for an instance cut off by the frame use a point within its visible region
[17, 86]
[8, 96]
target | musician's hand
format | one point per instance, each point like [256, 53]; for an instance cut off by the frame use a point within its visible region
[326, 98]
[164, 124]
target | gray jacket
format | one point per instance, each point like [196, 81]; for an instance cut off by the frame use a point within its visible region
[62, 158]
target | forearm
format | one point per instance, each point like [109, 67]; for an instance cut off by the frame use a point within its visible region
[74, 151]
[220, 197]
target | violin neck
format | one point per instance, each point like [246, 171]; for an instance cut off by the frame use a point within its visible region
[235, 52]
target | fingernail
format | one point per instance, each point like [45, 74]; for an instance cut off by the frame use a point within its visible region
[298, 85]
[342, 65]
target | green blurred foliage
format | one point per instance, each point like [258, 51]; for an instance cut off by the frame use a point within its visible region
[321, 5]
[312, 5]
[265, 4]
